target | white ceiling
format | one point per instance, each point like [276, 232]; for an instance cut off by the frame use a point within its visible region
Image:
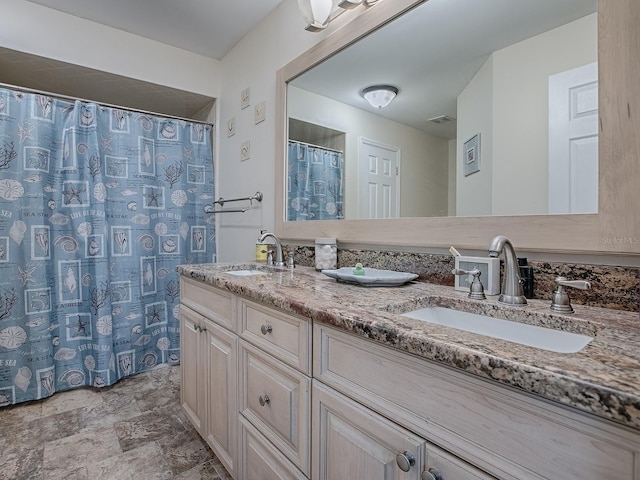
[208, 27]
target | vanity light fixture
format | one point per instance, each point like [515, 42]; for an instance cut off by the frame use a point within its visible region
[319, 13]
[379, 96]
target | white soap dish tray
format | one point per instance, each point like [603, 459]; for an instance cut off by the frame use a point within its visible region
[372, 277]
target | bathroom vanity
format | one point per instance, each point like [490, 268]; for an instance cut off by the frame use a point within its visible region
[290, 374]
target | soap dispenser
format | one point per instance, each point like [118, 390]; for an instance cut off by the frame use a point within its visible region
[261, 249]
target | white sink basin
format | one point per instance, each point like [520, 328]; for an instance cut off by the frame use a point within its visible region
[245, 273]
[530, 335]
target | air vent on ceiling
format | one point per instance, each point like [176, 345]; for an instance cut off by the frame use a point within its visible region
[442, 119]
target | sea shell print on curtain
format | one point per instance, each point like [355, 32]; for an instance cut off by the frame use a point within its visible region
[97, 207]
[314, 183]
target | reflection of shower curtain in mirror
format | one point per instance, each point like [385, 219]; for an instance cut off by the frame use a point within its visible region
[314, 183]
[97, 207]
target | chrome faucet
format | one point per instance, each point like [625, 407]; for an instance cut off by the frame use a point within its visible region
[279, 257]
[511, 292]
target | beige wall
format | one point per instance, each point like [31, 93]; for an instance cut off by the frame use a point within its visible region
[253, 64]
[475, 116]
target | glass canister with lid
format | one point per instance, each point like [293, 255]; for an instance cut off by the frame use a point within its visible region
[326, 254]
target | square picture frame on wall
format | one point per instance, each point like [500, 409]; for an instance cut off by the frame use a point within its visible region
[471, 155]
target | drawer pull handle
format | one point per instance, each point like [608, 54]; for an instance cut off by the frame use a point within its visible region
[405, 461]
[264, 399]
[432, 474]
[266, 328]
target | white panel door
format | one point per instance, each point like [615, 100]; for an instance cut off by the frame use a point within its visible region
[378, 191]
[573, 140]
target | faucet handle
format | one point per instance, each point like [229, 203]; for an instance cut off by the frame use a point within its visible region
[290, 260]
[560, 301]
[476, 289]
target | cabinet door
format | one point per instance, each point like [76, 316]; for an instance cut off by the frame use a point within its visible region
[352, 442]
[192, 391]
[220, 355]
[444, 466]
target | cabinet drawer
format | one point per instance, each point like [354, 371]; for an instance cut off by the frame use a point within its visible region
[261, 460]
[287, 337]
[275, 398]
[504, 432]
[209, 301]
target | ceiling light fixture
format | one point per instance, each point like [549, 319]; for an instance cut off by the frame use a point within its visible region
[319, 13]
[379, 96]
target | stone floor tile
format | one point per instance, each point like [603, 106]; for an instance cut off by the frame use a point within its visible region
[107, 413]
[102, 434]
[39, 431]
[185, 451]
[148, 461]
[149, 427]
[77, 474]
[23, 412]
[70, 400]
[204, 470]
[22, 464]
[79, 450]
[151, 400]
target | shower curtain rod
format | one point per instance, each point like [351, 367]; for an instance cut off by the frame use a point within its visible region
[317, 146]
[109, 105]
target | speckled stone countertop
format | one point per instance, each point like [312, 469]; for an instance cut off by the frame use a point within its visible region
[602, 379]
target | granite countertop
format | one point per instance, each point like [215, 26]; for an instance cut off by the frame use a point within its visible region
[602, 379]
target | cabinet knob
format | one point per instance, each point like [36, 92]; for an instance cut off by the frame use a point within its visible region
[405, 461]
[432, 474]
[197, 328]
[266, 328]
[264, 399]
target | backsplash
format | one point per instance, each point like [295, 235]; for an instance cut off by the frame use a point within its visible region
[611, 286]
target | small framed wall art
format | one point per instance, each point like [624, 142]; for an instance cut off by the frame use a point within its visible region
[245, 151]
[260, 112]
[471, 155]
[245, 98]
[231, 127]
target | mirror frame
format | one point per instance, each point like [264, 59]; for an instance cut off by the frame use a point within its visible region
[614, 229]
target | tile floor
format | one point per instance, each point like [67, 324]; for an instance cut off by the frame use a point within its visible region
[133, 430]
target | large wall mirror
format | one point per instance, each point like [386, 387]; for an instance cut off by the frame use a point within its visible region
[494, 128]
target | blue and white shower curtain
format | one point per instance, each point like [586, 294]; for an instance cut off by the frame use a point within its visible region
[314, 183]
[97, 207]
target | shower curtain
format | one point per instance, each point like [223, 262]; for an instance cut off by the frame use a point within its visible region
[314, 183]
[97, 207]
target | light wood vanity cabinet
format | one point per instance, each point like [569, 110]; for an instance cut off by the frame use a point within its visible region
[369, 409]
[502, 432]
[246, 382]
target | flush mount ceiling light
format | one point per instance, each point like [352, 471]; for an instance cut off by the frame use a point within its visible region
[379, 96]
[318, 13]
